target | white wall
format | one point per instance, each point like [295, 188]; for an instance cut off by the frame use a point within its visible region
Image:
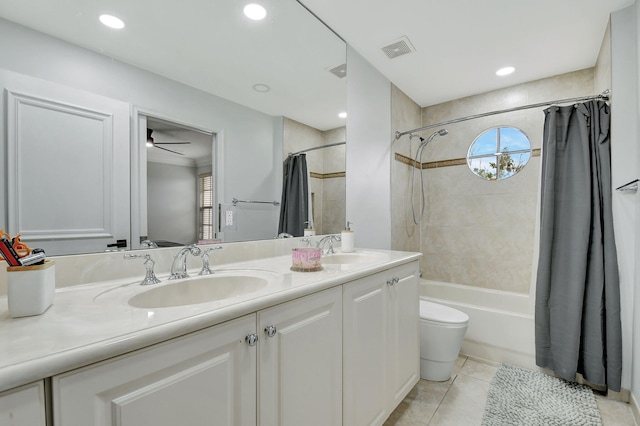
[251, 155]
[368, 153]
[624, 159]
[626, 59]
[625, 167]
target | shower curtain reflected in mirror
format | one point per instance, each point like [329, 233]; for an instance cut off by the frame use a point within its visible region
[294, 208]
[577, 317]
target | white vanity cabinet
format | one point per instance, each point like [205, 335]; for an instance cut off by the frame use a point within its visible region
[292, 369]
[23, 406]
[380, 343]
[207, 377]
[300, 361]
[346, 355]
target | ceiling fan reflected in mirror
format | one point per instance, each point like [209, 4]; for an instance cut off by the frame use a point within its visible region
[152, 143]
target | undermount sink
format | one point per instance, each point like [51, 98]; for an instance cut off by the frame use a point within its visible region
[200, 289]
[348, 258]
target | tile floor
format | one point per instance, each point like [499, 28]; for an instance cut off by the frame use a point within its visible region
[460, 401]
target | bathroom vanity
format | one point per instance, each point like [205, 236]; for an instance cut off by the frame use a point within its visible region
[337, 346]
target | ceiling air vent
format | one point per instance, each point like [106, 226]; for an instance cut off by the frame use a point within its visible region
[340, 71]
[400, 47]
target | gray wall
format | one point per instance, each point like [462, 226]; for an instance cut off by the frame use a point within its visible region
[368, 154]
[172, 203]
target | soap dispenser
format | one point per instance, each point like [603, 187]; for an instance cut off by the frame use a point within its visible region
[309, 232]
[347, 239]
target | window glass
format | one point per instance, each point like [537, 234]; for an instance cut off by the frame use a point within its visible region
[513, 139]
[485, 144]
[205, 201]
[499, 153]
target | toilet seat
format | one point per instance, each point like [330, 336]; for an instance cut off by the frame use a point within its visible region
[440, 314]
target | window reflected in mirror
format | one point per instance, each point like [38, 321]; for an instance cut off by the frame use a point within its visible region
[499, 153]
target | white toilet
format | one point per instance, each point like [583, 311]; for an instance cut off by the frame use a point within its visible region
[441, 332]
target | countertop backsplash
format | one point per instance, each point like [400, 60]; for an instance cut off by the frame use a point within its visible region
[86, 268]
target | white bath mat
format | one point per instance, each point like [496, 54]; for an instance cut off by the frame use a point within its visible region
[524, 397]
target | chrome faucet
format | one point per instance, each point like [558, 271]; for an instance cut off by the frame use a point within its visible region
[179, 265]
[331, 239]
[148, 244]
[206, 270]
[150, 276]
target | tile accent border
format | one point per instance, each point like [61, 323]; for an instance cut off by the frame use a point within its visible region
[327, 175]
[536, 152]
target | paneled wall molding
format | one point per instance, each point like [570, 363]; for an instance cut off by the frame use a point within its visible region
[28, 154]
[66, 166]
[444, 163]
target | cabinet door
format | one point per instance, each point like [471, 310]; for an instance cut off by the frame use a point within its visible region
[404, 338]
[23, 406]
[300, 361]
[381, 343]
[204, 378]
[365, 328]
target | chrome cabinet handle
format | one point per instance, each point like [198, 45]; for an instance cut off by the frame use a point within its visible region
[251, 339]
[270, 330]
[393, 281]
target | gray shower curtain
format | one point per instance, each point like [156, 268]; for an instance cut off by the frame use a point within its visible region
[577, 315]
[294, 207]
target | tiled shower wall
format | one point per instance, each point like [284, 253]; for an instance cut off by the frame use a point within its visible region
[333, 182]
[327, 168]
[476, 232]
[405, 115]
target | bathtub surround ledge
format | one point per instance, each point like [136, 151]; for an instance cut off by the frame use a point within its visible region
[499, 321]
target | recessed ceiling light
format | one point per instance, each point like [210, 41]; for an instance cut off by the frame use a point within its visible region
[342, 115]
[505, 71]
[112, 21]
[261, 87]
[255, 11]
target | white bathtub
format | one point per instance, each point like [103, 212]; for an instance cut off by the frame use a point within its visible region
[501, 327]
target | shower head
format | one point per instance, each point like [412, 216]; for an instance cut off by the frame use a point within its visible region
[441, 132]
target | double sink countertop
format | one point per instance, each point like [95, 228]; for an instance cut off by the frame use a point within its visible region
[91, 322]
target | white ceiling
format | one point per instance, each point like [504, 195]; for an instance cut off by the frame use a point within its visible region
[196, 153]
[209, 45]
[212, 46]
[459, 44]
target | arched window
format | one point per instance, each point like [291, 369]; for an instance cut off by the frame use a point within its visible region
[499, 153]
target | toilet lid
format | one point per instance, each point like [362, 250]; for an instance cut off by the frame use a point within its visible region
[440, 313]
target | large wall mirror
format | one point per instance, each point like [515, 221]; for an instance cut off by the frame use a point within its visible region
[250, 92]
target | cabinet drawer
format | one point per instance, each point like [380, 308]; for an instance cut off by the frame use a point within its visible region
[23, 406]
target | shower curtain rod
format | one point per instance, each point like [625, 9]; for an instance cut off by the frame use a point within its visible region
[317, 147]
[602, 96]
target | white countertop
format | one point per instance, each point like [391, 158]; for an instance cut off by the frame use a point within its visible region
[92, 322]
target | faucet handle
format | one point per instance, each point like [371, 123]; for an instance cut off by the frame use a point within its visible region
[193, 249]
[307, 241]
[206, 270]
[150, 276]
